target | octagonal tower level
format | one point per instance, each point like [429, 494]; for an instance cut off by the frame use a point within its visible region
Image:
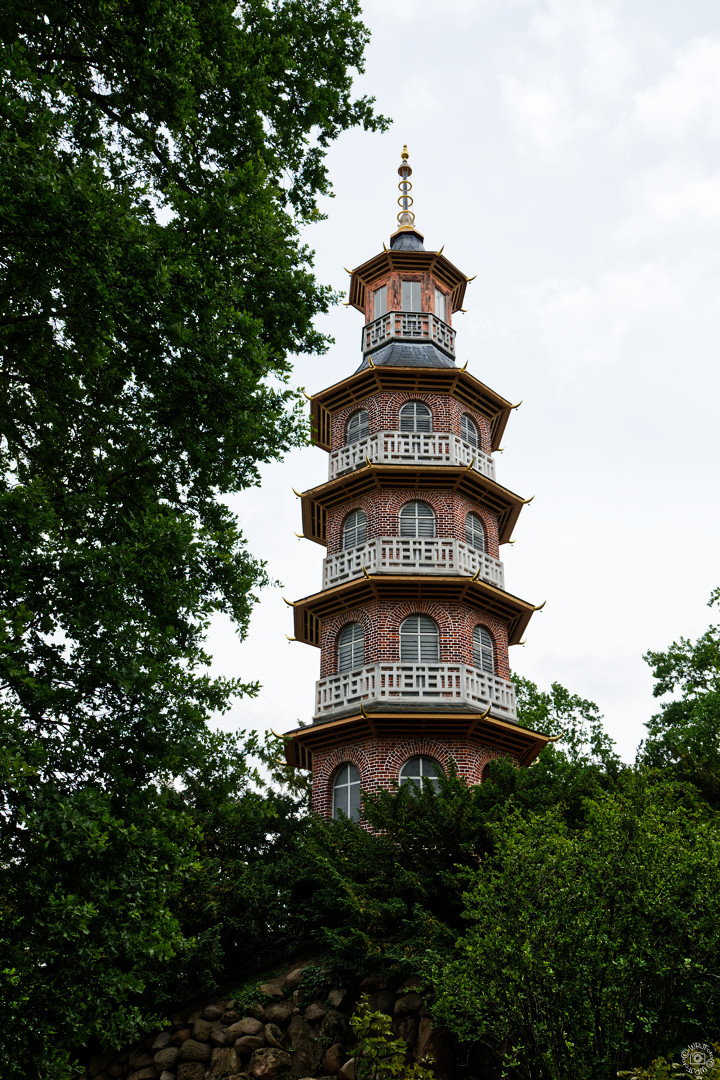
[413, 619]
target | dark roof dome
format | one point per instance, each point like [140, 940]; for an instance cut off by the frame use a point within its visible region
[407, 240]
[406, 354]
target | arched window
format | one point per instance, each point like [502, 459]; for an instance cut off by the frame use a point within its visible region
[358, 426]
[468, 430]
[485, 774]
[483, 651]
[415, 416]
[417, 519]
[475, 532]
[346, 792]
[351, 647]
[419, 640]
[355, 529]
[422, 772]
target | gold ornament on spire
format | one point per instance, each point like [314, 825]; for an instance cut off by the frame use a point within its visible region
[406, 218]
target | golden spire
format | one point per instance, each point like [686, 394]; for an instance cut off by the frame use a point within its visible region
[406, 218]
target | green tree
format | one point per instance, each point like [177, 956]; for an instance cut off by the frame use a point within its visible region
[157, 163]
[591, 947]
[685, 734]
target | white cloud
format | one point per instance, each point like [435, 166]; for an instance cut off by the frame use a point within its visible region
[687, 97]
[677, 200]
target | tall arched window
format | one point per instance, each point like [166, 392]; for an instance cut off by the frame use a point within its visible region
[483, 651]
[358, 426]
[351, 647]
[415, 416]
[346, 792]
[475, 531]
[422, 772]
[468, 430]
[419, 640]
[355, 529]
[417, 519]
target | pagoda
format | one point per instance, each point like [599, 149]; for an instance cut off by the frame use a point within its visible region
[413, 620]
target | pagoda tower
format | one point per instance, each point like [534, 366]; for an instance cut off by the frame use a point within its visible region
[413, 620]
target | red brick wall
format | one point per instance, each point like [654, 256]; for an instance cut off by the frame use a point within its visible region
[383, 410]
[379, 761]
[382, 509]
[381, 622]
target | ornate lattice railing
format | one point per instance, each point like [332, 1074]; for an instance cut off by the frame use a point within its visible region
[414, 326]
[403, 555]
[409, 448]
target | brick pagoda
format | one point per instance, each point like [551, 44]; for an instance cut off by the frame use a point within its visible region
[413, 620]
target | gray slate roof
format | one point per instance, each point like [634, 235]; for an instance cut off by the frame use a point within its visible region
[407, 241]
[405, 354]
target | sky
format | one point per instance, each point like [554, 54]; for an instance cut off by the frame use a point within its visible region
[567, 152]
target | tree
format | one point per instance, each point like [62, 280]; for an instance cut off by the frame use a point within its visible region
[591, 946]
[157, 163]
[685, 735]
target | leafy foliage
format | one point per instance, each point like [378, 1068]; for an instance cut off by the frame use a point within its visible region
[379, 1056]
[156, 165]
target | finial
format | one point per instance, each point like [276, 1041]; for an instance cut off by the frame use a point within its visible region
[406, 218]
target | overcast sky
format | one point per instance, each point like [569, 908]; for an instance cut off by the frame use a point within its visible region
[566, 152]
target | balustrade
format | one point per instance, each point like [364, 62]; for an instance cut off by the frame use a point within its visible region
[457, 683]
[414, 326]
[410, 448]
[410, 555]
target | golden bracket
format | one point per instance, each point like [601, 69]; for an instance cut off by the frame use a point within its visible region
[469, 279]
[522, 642]
[300, 536]
[370, 362]
[463, 310]
[289, 603]
[484, 716]
[475, 576]
[464, 367]
[386, 248]
[279, 736]
[441, 250]
[368, 462]
[347, 271]
[540, 606]
[290, 638]
[345, 303]
[362, 711]
[526, 501]
[296, 493]
[510, 541]
[306, 394]
[365, 573]
[518, 404]
[470, 466]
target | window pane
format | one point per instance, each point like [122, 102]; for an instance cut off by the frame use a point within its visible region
[358, 426]
[440, 304]
[355, 529]
[351, 647]
[411, 296]
[483, 651]
[380, 302]
[417, 519]
[474, 532]
[419, 640]
[346, 792]
[469, 431]
[420, 771]
[415, 416]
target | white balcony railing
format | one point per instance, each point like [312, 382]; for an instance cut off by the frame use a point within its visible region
[409, 448]
[416, 683]
[408, 555]
[414, 326]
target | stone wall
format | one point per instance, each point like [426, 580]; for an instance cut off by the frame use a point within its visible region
[298, 1027]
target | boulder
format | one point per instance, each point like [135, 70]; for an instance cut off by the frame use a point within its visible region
[274, 1037]
[167, 1075]
[406, 1028]
[192, 1050]
[335, 1026]
[408, 1003]
[149, 1072]
[212, 1013]
[336, 998]
[162, 1040]
[201, 1030]
[179, 1036]
[294, 978]
[272, 989]
[248, 1044]
[307, 1051]
[333, 1058]
[225, 1062]
[347, 1072]
[247, 1026]
[141, 1058]
[315, 1011]
[268, 1063]
[230, 1017]
[382, 1001]
[436, 1043]
[191, 1070]
[278, 1013]
[166, 1058]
